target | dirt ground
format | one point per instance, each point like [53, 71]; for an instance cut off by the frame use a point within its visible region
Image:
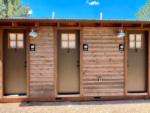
[125, 106]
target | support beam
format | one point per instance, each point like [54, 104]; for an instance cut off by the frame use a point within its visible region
[58, 24]
[36, 24]
[1, 63]
[125, 63]
[149, 63]
[14, 24]
[142, 25]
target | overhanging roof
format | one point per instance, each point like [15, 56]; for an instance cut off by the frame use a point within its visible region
[72, 22]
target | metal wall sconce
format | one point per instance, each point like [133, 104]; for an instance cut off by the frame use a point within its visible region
[121, 34]
[33, 34]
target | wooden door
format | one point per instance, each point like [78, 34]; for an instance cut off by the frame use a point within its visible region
[68, 62]
[137, 63]
[14, 64]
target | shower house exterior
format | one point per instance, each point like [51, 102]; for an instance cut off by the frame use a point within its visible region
[69, 59]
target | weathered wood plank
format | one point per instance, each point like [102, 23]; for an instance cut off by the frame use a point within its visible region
[103, 59]
[42, 64]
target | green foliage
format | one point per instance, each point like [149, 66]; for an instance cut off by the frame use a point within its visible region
[144, 12]
[13, 8]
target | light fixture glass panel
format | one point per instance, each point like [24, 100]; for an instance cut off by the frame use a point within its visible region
[138, 37]
[20, 44]
[12, 36]
[33, 34]
[64, 44]
[138, 45]
[72, 37]
[132, 44]
[12, 44]
[132, 37]
[64, 36]
[72, 44]
[20, 36]
[121, 34]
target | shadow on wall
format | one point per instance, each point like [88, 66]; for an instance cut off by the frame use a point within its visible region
[74, 103]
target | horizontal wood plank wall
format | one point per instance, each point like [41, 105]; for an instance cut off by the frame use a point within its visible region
[1, 64]
[103, 63]
[42, 64]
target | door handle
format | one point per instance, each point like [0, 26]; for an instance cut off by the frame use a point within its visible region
[25, 64]
[78, 63]
[127, 64]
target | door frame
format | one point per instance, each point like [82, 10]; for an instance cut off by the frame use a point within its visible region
[126, 42]
[27, 40]
[56, 29]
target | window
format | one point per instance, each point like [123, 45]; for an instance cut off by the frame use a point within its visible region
[135, 41]
[68, 40]
[16, 40]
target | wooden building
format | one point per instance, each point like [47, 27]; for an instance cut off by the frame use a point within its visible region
[67, 59]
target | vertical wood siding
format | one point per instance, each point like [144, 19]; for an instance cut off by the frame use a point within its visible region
[42, 64]
[1, 64]
[103, 64]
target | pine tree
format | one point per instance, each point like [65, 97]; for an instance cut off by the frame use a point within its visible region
[144, 12]
[13, 8]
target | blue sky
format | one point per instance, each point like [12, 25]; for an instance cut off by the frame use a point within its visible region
[111, 9]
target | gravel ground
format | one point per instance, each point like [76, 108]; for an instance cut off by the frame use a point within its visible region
[126, 106]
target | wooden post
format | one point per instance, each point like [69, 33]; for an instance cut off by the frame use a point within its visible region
[1, 64]
[148, 63]
[125, 63]
[81, 63]
[56, 66]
